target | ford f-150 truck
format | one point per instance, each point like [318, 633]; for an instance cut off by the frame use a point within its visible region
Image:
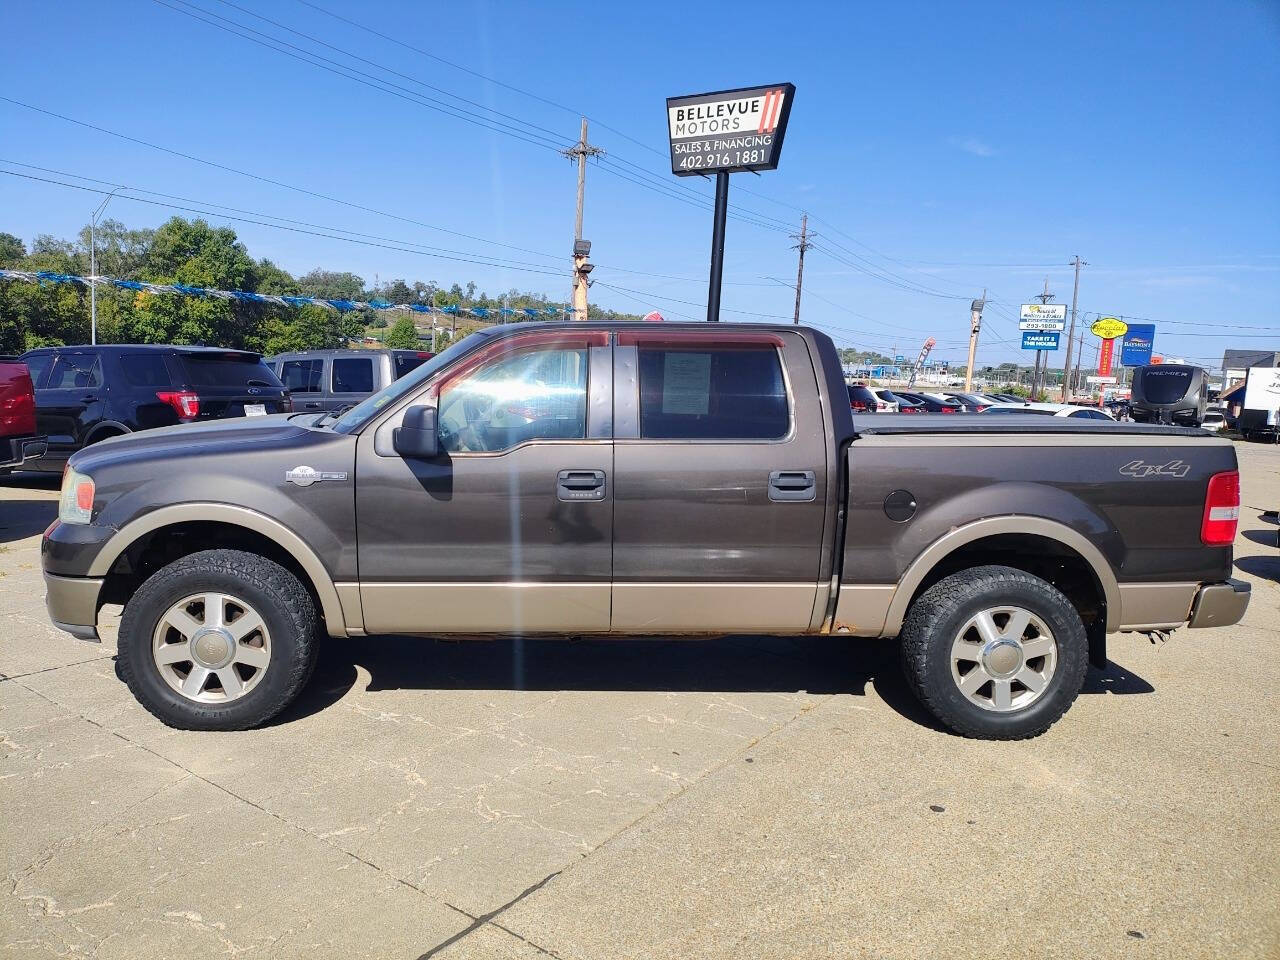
[642, 479]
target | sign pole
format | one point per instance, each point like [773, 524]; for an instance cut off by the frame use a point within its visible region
[717, 246]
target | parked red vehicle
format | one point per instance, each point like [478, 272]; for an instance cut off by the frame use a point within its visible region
[18, 440]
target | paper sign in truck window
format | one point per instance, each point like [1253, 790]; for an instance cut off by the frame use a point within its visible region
[686, 383]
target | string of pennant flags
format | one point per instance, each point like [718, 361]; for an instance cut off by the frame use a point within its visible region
[44, 277]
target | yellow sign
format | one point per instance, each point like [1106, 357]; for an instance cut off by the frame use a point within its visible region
[1108, 328]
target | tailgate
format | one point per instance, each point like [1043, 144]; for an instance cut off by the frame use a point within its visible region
[232, 384]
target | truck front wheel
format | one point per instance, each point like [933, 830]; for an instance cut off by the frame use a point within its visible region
[218, 640]
[995, 653]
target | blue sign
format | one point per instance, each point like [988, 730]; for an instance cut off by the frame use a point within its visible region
[1138, 341]
[1039, 340]
[899, 359]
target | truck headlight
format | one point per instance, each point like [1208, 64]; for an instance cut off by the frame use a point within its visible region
[75, 505]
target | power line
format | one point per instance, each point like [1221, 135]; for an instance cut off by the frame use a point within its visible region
[269, 180]
[372, 63]
[394, 245]
[464, 69]
[365, 79]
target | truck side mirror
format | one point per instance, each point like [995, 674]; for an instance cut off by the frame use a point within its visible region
[416, 436]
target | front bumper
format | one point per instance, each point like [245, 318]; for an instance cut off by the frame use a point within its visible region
[1220, 604]
[73, 604]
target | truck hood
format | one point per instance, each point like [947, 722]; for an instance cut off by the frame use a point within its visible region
[241, 435]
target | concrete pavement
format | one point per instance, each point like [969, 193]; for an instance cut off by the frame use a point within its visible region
[747, 797]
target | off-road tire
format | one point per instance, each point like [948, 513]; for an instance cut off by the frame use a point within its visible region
[933, 622]
[281, 600]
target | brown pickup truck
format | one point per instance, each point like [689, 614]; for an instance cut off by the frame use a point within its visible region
[642, 479]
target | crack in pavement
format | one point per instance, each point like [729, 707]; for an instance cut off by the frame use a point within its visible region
[480, 921]
[19, 676]
[476, 921]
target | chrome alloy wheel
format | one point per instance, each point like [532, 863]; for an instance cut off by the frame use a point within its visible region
[211, 647]
[1003, 658]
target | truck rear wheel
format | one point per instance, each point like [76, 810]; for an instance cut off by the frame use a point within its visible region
[995, 653]
[218, 640]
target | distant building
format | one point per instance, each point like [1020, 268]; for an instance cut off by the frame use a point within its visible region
[1236, 362]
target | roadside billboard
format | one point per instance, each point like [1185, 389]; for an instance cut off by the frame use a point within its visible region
[1139, 340]
[1040, 340]
[729, 130]
[1108, 328]
[1104, 356]
[1042, 316]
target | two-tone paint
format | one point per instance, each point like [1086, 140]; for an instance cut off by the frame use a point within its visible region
[685, 538]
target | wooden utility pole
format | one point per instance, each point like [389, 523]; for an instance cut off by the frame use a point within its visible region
[802, 246]
[581, 248]
[975, 325]
[1071, 331]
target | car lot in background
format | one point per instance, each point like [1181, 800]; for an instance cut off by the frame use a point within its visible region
[90, 393]
[1214, 420]
[891, 401]
[1051, 410]
[334, 379]
[862, 399]
[973, 402]
[933, 402]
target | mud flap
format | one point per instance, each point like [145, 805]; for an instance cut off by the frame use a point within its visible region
[1096, 632]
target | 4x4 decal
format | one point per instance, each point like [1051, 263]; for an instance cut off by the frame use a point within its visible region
[1138, 468]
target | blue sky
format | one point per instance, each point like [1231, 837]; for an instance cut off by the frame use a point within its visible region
[938, 148]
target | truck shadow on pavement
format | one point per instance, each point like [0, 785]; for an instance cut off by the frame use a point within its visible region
[1264, 566]
[22, 518]
[815, 665]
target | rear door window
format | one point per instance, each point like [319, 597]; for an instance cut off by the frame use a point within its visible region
[409, 360]
[76, 371]
[302, 376]
[227, 370]
[38, 365]
[145, 369]
[353, 374]
[712, 393]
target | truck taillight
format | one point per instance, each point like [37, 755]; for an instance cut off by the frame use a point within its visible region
[184, 402]
[1221, 509]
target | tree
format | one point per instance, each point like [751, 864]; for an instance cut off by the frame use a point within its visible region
[11, 250]
[403, 335]
[330, 285]
[273, 280]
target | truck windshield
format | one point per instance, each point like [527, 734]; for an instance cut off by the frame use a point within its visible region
[1163, 386]
[359, 415]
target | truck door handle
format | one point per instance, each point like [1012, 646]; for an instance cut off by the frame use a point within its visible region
[90, 398]
[793, 485]
[311, 404]
[580, 484]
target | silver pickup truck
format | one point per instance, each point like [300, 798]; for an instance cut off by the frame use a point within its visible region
[642, 479]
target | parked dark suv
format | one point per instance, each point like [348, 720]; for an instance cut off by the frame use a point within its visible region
[86, 394]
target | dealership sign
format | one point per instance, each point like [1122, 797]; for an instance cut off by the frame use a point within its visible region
[1108, 328]
[1042, 316]
[1039, 340]
[731, 130]
[1138, 341]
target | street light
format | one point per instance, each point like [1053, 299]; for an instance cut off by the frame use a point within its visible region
[93, 266]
